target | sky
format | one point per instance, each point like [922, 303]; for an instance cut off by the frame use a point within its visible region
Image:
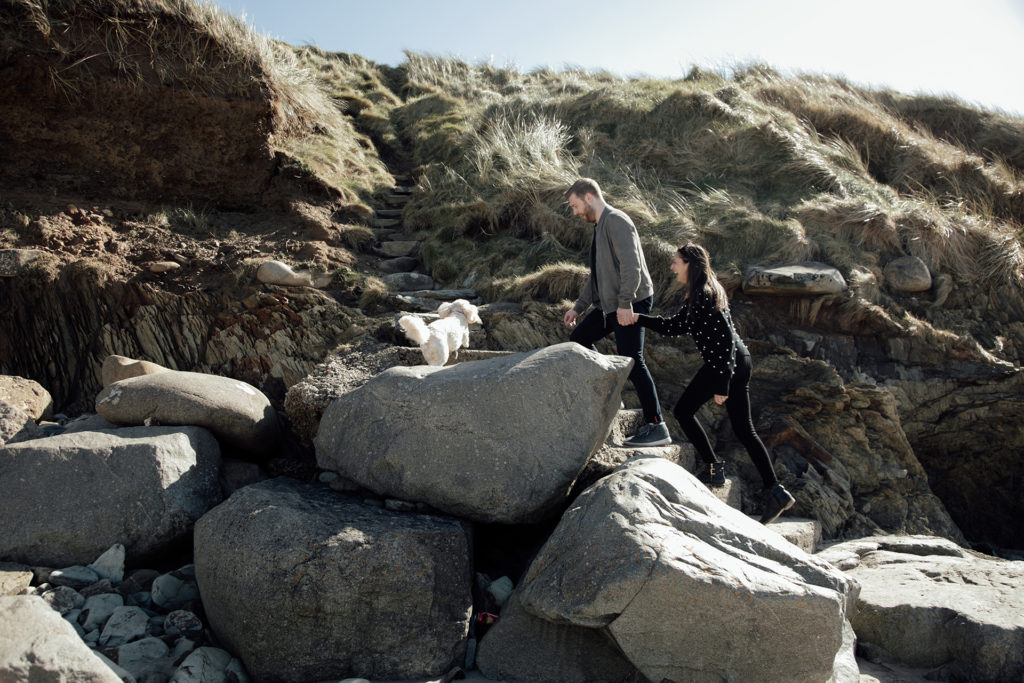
[971, 49]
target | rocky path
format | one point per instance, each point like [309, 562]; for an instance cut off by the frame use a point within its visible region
[398, 261]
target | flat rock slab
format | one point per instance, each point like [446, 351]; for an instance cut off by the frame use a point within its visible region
[799, 278]
[926, 602]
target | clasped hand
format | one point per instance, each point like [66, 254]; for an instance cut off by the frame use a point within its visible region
[626, 316]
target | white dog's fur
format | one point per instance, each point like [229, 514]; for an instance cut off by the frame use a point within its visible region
[447, 334]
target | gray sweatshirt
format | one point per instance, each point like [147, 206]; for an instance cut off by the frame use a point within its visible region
[621, 276]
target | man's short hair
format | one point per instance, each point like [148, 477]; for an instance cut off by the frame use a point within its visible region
[584, 186]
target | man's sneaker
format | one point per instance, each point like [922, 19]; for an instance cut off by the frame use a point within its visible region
[653, 434]
[776, 501]
[713, 475]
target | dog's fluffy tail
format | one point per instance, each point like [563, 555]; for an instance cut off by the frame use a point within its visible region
[415, 328]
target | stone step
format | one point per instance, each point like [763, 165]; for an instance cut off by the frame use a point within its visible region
[400, 264]
[388, 234]
[443, 294]
[402, 189]
[802, 532]
[388, 213]
[405, 282]
[387, 222]
[425, 304]
[396, 199]
[396, 248]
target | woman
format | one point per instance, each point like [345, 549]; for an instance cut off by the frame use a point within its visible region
[725, 375]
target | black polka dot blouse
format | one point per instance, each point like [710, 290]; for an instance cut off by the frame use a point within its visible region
[713, 333]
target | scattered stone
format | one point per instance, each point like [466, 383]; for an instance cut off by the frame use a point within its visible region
[163, 266]
[278, 273]
[90, 422]
[182, 623]
[399, 248]
[98, 609]
[98, 588]
[236, 474]
[795, 279]
[75, 576]
[14, 578]
[17, 425]
[175, 589]
[500, 589]
[139, 580]
[446, 294]
[13, 262]
[210, 665]
[401, 264]
[907, 274]
[63, 599]
[110, 565]
[145, 657]
[926, 602]
[124, 625]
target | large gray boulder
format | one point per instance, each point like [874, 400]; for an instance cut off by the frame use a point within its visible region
[522, 647]
[497, 440]
[237, 413]
[926, 602]
[36, 644]
[689, 588]
[304, 584]
[66, 499]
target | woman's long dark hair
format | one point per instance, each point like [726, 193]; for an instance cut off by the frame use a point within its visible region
[701, 278]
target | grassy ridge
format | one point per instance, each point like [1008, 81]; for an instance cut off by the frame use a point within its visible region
[757, 167]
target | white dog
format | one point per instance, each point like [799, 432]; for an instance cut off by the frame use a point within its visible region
[447, 334]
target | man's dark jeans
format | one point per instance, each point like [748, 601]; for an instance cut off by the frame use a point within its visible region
[629, 341]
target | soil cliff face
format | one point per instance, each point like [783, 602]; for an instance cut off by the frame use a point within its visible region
[123, 124]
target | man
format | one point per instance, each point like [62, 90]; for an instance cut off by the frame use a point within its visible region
[618, 286]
